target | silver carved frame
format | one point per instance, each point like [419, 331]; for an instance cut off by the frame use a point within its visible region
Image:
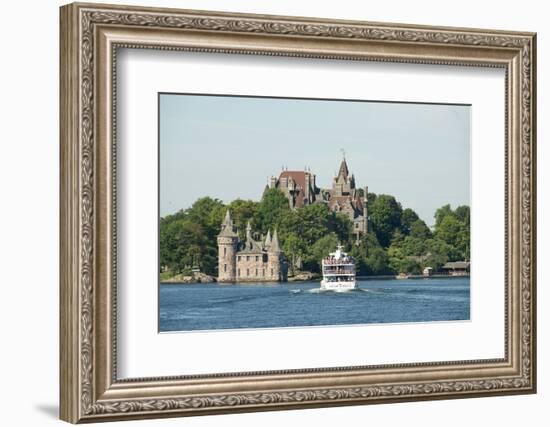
[90, 36]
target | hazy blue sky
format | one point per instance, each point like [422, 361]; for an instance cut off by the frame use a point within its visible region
[227, 147]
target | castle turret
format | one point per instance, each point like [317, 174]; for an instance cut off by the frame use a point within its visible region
[341, 185]
[274, 260]
[267, 243]
[228, 241]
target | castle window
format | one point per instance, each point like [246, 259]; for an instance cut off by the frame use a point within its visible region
[247, 258]
[238, 258]
[239, 272]
[272, 272]
[224, 251]
[257, 258]
[225, 268]
[356, 225]
[247, 272]
[263, 271]
[256, 272]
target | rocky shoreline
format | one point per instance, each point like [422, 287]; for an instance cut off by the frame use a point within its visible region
[180, 279]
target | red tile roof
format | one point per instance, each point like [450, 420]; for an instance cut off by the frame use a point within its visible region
[299, 178]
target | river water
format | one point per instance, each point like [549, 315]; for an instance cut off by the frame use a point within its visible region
[213, 306]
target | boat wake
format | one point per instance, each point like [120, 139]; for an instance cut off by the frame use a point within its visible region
[327, 291]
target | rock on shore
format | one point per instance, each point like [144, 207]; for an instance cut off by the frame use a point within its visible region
[303, 276]
[195, 278]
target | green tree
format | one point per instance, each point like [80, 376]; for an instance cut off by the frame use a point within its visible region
[463, 214]
[385, 215]
[414, 246]
[420, 230]
[408, 217]
[189, 236]
[377, 262]
[397, 238]
[463, 243]
[441, 213]
[208, 213]
[243, 211]
[273, 206]
[396, 259]
[449, 229]
[440, 253]
[182, 243]
[295, 249]
[310, 222]
[453, 228]
[322, 247]
[371, 197]
[341, 225]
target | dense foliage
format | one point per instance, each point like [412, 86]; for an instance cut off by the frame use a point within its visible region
[398, 240]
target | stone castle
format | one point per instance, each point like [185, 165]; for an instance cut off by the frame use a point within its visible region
[300, 189]
[263, 260]
[251, 260]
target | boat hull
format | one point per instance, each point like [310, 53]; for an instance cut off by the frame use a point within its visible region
[338, 286]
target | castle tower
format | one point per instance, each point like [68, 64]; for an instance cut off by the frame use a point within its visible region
[274, 259]
[341, 182]
[227, 250]
[267, 243]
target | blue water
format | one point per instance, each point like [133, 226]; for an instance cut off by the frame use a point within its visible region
[213, 306]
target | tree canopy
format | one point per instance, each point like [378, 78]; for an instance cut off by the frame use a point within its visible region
[398, 241]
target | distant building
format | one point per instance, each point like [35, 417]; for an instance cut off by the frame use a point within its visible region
[457, 268]
[251, 260]
[298, 186]
[300, 189]
[344, 198]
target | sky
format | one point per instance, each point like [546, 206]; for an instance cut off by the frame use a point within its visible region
[226, 147]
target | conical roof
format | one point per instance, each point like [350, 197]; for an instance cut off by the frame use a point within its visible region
[274, 247]
[227, 226]
[268, 239]
[343, 171]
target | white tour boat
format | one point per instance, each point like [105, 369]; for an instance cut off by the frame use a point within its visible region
[338, 272]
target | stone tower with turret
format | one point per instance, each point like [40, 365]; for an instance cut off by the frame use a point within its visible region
[275, 267]
[228, 241]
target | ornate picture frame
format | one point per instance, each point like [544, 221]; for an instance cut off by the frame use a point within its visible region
[90, 37]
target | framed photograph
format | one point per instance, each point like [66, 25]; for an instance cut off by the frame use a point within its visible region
[267, 212]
